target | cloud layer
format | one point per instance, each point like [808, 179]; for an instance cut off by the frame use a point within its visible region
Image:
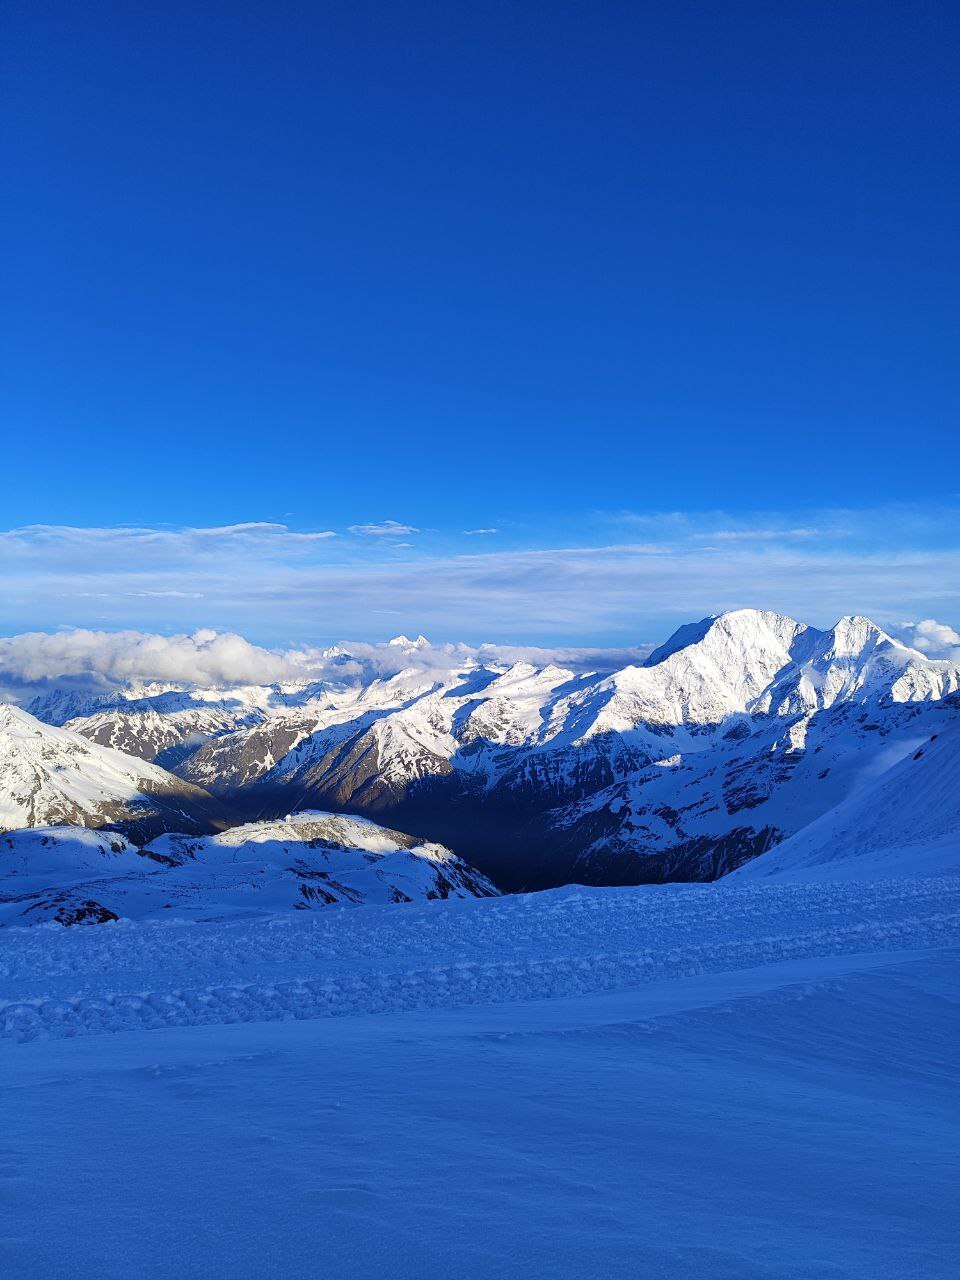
[114, 657]
[935, 639]
[385, 529]
[101, 660]
[283, 587]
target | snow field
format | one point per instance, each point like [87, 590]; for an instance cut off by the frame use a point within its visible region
[95, 980]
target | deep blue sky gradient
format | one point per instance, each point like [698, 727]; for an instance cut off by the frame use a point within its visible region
[467, 264]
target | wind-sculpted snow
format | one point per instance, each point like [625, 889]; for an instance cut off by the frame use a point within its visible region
[120, 977]
[736, 1080]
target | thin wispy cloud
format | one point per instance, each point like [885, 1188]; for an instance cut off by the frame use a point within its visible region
[166, 595]
[760, 535]
[385, 529]
[275, 585]
[128, 543]
[475, 533]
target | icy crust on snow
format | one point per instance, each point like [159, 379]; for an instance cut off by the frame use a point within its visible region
[72, 875]
[563, 943]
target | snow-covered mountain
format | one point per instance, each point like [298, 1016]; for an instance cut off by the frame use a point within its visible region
[54, 775]
[904, 823]
[734, 735]
[161, 722]
[75, 875]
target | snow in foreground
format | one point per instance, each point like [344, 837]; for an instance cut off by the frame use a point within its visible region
[741, 1080]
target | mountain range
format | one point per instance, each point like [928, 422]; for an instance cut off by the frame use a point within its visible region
[733, 738]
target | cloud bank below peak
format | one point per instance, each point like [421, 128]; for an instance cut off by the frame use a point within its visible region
[102, 660]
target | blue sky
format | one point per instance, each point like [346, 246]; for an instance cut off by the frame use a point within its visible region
[603, 280]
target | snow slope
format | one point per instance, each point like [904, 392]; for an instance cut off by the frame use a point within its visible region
[73, 875]
[906, 822]
[743, 1081]
[51, 775]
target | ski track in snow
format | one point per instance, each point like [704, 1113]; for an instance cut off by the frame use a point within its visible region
[57, 983]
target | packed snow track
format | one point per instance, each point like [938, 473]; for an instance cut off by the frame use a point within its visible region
[122, 977]
[742, 1081]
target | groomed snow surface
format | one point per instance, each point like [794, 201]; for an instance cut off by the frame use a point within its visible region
[737, 1080]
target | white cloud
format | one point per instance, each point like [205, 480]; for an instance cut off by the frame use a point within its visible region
[473, 533]
[935, 639]
[119, 656]
[760, 535]
[385, 529]
[102, 660]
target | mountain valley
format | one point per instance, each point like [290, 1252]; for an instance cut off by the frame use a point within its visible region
[735, 735]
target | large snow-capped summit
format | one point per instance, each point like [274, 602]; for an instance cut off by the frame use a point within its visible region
[754, 661]
[75, 875]
[734, 734]
[55, 775]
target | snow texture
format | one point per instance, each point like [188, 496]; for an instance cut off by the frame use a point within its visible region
[740, 1080]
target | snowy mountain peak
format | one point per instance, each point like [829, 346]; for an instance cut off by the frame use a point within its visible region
[308, 860]
[764, 722]
[735, 635]
[854, 635]
[404, 642]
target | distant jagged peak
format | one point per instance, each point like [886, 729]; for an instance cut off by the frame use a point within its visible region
[404, 642]
[857, 660]
[526, 679]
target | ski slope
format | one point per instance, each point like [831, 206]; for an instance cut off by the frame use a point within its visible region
[905, 822]
[740, 1080]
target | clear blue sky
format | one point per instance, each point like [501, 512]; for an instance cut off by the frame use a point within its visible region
[477, 265]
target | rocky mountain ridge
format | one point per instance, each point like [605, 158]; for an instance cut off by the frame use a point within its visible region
[732, 736]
